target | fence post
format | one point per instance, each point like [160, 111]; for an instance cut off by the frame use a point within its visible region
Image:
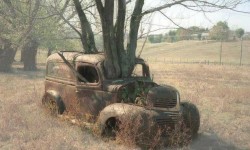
[220, 50]
[241, 51]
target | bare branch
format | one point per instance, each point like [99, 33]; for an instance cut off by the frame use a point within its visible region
[68, 23]
[200, 6]
[171, 20]
[144, 43]
[162, 7]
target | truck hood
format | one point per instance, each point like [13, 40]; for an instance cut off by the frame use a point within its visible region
[163, 96]
[114, 86]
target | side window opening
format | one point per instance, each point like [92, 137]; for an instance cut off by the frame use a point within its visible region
[59, 70]
[89, 73]
[138, 71]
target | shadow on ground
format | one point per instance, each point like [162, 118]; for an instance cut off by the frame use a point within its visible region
[210, 141]
[17, 70]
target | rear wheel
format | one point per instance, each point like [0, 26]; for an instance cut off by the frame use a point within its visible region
[111, 128]
[55, 107]
[191, 118]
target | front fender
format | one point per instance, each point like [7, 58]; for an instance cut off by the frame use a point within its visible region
[123, 111]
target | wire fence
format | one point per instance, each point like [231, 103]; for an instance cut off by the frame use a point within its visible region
[200, 52]
[188, 61]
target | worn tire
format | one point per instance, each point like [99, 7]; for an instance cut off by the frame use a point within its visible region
[191, 118]
[54, 105]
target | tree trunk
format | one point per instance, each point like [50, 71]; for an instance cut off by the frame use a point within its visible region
[111, 63]
[133, 35]
[87, 35]
[118, 61]
[29, 54]
[7, 55]
[21, 60]
[119, 29]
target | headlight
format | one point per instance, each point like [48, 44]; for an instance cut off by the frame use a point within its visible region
[178, 96]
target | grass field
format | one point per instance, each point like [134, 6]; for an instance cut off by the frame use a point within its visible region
[221, 93]
[197, 51]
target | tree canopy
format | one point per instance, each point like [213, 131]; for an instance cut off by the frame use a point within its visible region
[239, 32]
[220, 31]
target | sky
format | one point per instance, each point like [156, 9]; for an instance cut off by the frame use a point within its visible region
[186, 18]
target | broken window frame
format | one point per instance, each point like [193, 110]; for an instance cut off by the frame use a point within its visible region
[83, 64]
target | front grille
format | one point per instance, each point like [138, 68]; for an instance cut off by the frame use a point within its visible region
[165, 103]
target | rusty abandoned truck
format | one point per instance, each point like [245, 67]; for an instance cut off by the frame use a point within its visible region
[76, 82]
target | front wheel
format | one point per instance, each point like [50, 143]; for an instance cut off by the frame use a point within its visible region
[191, 117]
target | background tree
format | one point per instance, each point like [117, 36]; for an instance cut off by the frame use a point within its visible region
[26, 25]
[155, 38]
[199, 36]
[17, 21]
[183, 34]
[196, 30]
[239, 32]
[220, 31]
[172, 36]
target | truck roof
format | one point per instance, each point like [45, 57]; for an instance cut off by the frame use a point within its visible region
[77, 56]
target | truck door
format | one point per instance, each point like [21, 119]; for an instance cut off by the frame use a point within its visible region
[89, 93]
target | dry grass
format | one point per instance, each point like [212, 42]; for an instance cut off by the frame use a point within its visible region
[222, 96]
[24, 124]
[143, 133]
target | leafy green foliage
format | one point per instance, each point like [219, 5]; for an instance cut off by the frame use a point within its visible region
[137, 96]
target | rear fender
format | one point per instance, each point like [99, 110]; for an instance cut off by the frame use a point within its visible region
[53, 94]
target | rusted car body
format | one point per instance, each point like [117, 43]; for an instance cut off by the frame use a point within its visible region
[108, 99]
